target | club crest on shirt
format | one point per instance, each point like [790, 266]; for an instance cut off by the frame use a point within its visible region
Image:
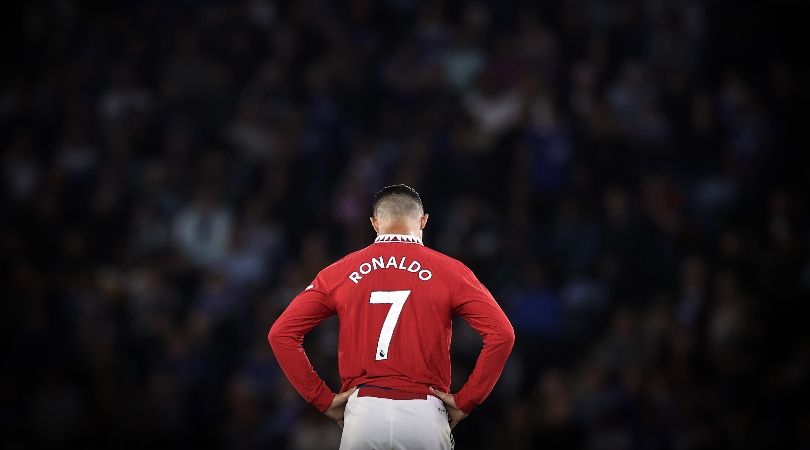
[380, 262]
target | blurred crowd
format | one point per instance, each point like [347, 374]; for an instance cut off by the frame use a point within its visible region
[627, 177]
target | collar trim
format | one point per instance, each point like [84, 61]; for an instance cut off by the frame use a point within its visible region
[404, 238]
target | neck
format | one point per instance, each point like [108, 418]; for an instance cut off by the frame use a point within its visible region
[400, 228]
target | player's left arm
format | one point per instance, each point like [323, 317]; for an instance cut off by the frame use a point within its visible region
[286, 338]
[473, 302]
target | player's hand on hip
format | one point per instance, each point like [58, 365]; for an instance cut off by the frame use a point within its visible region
[454, 414]
[338, 406]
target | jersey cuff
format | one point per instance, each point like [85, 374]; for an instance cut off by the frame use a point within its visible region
[324, 400]
[464, 404]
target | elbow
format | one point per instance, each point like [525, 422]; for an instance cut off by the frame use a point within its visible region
[275, 335]
[507, 335]
[502, 336]
[510, 335]
[283, 336]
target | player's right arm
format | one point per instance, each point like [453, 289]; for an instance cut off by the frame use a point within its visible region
[286, 337]
[473, 302]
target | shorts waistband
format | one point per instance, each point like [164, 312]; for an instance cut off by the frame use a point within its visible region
[365, 390]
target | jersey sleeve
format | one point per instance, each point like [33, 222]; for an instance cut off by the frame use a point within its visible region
[473, 302]
[286, 337]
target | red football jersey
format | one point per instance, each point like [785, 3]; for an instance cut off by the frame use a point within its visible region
[395, 300]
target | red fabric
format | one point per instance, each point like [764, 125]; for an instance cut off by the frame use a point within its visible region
[418, 354]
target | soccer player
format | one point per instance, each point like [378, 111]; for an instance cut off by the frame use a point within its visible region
[395, 300]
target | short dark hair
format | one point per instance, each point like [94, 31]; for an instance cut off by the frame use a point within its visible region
[400, 199]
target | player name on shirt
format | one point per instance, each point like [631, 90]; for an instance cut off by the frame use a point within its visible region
[380, 262]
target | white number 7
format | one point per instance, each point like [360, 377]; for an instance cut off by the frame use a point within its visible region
[397, 301]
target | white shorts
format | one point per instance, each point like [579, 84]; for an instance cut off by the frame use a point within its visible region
[372, 423]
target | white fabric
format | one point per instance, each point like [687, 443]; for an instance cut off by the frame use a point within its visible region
[372, 423]
[404, 238]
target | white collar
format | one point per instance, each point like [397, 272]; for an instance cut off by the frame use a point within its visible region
[404, 238]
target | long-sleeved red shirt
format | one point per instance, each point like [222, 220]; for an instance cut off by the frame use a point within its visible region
[395, 300]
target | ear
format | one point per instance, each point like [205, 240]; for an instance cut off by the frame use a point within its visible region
[374, 224]
[423, 221]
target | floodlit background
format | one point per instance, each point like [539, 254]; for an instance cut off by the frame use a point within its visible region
[630, 178]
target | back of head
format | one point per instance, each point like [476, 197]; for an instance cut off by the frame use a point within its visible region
[398, 201]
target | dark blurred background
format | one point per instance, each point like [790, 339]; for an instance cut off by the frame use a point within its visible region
[630, 178]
